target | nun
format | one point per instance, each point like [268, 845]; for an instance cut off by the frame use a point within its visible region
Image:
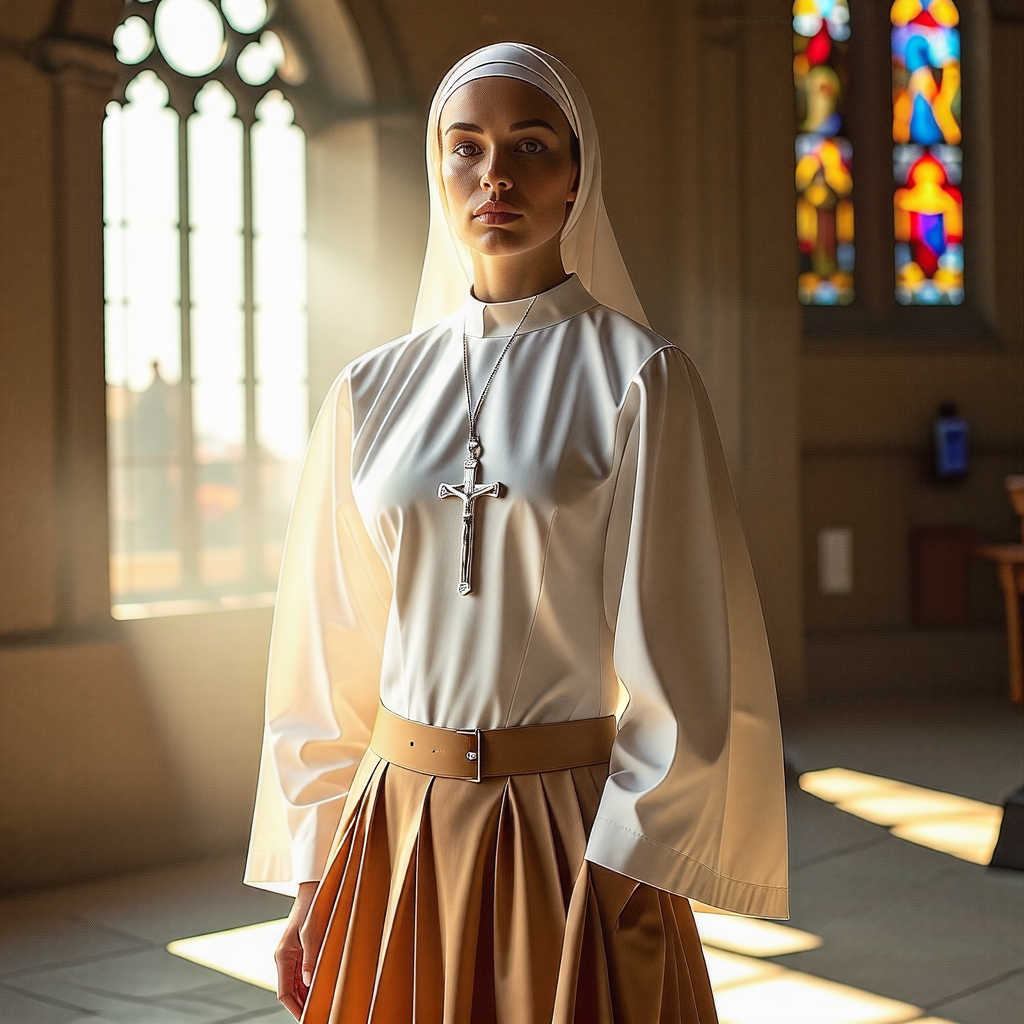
[520, 707]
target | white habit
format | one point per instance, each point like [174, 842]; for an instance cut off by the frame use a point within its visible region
[616, 553]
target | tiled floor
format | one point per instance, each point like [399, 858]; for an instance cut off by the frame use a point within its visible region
[97, 952]
[896, 919]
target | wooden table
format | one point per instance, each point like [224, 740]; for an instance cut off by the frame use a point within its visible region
[1009, 559]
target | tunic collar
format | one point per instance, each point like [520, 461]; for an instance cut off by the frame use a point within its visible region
[556, 305]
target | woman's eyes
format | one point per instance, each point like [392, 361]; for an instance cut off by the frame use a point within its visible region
[529, 146]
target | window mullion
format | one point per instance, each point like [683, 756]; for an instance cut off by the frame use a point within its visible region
[873, 73]
[189, 522]
[253, 519]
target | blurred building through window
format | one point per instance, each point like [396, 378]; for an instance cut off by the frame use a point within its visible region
[205, 288]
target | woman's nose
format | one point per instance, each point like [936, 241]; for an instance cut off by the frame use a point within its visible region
[495, 177]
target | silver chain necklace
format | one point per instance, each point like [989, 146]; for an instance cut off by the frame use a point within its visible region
[469, 490]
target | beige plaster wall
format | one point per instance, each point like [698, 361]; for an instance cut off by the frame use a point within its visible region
[867, 466]
[134, 750]
[84, 773]
[28, 535]
[866, 411]
[201, 679]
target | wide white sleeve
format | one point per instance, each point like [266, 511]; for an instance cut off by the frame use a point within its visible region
[695, 800]
[323, 676]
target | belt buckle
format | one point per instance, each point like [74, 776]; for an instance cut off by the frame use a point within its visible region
[475, 756]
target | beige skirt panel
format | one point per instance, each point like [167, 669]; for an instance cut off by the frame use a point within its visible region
[453, 902]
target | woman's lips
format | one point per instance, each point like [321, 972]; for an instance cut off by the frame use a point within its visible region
[496, 213]
[497, 218]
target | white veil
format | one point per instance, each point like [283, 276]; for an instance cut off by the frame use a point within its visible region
[589, 248]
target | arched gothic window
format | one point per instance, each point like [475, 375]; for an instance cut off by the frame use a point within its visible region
[205, 282]
[926, 229]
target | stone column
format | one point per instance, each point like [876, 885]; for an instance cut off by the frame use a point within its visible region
[83, 74]
[719, 352]
[769, 486]
[736, 267]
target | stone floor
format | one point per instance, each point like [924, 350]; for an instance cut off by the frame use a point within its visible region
[897, 919]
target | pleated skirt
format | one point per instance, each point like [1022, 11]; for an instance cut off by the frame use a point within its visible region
[453, 902]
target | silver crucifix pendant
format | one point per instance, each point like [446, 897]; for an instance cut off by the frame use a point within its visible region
[469, 491]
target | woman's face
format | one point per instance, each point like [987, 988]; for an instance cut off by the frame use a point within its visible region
[507, 166]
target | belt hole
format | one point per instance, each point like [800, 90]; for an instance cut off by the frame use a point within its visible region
[412, 743]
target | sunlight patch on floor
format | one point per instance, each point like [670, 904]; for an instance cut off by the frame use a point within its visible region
[750, 935]
[777, 995]
[243, 953]
[951, 824]
[747, 990]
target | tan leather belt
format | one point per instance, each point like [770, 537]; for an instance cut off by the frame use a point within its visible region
[477, 754]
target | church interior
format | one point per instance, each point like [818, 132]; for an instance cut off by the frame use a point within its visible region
[820, 201]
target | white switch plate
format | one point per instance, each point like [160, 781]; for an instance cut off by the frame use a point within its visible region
[835, 560]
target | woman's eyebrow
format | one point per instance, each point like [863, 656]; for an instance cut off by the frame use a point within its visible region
[535, 122]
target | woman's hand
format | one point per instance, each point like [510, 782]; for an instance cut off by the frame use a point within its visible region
[296, 953]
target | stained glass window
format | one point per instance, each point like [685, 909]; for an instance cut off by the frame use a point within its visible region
[205, 280]
[927, 158]
[824, 156]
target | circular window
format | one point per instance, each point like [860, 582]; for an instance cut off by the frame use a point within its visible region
[191, 35]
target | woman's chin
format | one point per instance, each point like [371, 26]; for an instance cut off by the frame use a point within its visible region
[504, 241]
[496, 240]
[496, 243]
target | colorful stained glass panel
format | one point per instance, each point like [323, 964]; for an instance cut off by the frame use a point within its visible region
[824, 157]
[927, 159]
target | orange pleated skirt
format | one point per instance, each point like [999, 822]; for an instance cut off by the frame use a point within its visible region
[454, 902]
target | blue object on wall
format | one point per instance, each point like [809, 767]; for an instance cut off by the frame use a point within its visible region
[950, 442]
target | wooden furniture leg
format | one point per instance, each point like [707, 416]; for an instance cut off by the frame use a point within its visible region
[1008, 581]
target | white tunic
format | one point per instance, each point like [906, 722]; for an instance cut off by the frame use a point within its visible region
[615, 554]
